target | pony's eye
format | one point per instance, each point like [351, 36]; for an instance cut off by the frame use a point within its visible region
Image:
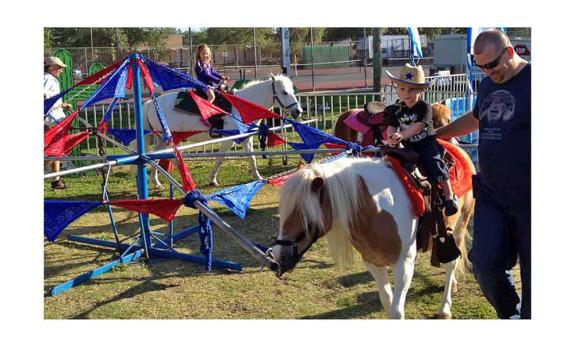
[285, 92]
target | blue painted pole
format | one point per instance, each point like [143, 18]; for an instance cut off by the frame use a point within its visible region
[142, 180]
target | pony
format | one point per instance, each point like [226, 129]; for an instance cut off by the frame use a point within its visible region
[360, 203]
[277, 90]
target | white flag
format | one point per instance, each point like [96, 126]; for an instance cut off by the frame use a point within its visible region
[415, 41]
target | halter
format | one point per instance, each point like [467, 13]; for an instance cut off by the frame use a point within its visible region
[295, 244]
[276, 98]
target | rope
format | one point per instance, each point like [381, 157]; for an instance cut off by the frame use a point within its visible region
[206, 234]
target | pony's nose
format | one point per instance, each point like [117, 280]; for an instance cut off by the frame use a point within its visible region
[296, 112]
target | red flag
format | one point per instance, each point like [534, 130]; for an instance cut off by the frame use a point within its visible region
[334, 146]
[274, 139]
[179, 136]
[206, 108]
[129, 79]
[54, 138]
[73, 140]
[147, 77]
[187, 181]
[248, 110]
[280, 180]
[103, 74]
[163, 208]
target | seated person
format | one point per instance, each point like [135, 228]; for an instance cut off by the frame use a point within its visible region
[410, 122]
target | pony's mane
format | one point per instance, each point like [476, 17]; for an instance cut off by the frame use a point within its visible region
[341, 180]
[285, 79]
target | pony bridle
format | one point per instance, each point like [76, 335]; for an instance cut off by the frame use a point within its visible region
[278, 100]
[296, 256]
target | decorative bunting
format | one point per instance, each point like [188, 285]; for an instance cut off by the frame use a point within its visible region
[163, 208]
[147, 77]
[280, 180]
[206, 108]
[308, 157]
[166, 133]
[55, 137]
[274, 139]
[100, 76]
[73, 140]
[187, 181]
[126, 136]
[313, 136]
[249, 111]
[103, 126]
[237, 199]
[108, 89]
[179, 136]
[59, 214]
[170, 79]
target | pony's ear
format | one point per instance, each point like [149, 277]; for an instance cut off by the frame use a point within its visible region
[317, 184]
[301, 165]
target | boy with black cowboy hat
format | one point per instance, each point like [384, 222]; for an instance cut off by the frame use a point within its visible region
[410, 122]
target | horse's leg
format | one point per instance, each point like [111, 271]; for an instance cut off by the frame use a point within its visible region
[154, 179]
[384, 287]
[224, 147]
[450, 283]
[249, 147]
[403, 271]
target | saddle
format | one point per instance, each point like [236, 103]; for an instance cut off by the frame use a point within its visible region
[427, 200]
[185, 103]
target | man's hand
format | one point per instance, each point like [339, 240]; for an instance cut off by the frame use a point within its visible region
[66, 106]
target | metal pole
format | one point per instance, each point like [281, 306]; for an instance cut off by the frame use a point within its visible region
[312, 64]
[118, 43]
[255, 57]
[365, 52]
[92, 44]
[191, 52]
[142, 177]
[376, 59]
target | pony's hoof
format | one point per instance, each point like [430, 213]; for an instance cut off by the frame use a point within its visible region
[214, 184]
[443, 316]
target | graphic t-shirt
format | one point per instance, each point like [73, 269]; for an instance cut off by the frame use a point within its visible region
[401, 117]
[504, 114]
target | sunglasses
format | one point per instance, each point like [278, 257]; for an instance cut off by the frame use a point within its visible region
[492, 64]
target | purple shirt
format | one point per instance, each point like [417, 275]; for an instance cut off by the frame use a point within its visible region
[207, 74]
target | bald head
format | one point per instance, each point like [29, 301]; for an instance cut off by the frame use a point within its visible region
[491, 37]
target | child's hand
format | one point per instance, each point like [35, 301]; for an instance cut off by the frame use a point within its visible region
[395, 138]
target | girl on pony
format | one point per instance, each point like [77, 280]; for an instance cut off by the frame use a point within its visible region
[410, 122]
[205, 72]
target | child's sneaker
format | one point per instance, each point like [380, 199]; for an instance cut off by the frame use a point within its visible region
[450, 207]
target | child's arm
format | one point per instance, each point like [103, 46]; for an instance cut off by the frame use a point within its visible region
[390, 131]
[412, 130]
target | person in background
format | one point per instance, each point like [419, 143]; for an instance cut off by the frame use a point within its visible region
[53, 67]
[205, 72]
[502, 187]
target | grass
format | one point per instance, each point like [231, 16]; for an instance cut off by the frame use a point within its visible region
[171, 289]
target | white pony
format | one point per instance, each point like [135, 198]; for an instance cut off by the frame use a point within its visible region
[276, 91]
[359, 202]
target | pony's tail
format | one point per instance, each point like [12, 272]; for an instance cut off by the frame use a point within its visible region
[461, 233]
[340, 246]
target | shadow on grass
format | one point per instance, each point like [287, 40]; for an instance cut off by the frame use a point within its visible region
[148, 285]
[368, 303]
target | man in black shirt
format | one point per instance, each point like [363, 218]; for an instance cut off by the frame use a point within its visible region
[502, 224]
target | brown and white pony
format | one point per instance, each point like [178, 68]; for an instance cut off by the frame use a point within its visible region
[361, 203]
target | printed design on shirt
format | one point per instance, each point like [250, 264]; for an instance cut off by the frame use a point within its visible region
[406, 120]
[498, 106]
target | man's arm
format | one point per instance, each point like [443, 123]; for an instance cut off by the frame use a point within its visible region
[463, 125]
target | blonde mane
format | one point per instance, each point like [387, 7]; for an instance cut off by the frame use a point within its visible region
[341, 180]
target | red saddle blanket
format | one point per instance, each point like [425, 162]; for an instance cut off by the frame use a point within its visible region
[459, 176]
